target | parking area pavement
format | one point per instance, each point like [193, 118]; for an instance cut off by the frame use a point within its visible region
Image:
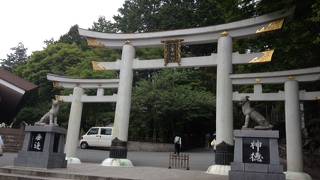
[199, 160]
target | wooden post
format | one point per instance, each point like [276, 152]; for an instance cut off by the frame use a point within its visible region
[170, 156]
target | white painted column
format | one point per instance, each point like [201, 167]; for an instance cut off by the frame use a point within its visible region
[74, 126]
[100, 92]
[121, 120]
[293, 126]
[224, 114]
[293, 132]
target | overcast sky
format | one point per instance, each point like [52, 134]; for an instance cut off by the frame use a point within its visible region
[33, 21]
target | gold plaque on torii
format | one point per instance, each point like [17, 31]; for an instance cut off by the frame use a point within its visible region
[266, 57]
[96, 66]
[92, 42]
[172, 51]
[271, 26]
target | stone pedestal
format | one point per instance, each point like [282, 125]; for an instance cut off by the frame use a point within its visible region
[118, 154]
[43, 147]
[256, 156]
[118, 149]
[224, 154]
[223, 158]
[116, 162]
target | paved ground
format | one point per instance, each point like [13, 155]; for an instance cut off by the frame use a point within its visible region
[7, 159]
[199, 160]
[147, 165]
[89, 170]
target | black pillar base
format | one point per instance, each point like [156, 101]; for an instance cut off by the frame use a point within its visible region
[118, 149]
[224, 154]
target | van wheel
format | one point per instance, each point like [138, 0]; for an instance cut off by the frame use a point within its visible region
[84, 145]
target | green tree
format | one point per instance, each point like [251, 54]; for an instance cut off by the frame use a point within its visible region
[103, 25]
[73, 37]
[49, 42]
[158, 15]
[172, 101]
[62, 59]
[18, 57]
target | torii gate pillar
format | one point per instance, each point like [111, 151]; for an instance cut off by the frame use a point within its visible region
[224, 110]
[224, 114]
[121, 120]
[118, 150]
[74, 126]
[293, 132]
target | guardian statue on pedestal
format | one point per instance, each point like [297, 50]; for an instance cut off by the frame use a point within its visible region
[251, 113]
[50, 118]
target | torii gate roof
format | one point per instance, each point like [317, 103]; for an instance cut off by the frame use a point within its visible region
[201, 35]
[68, 82]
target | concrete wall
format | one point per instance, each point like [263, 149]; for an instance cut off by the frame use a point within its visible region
[148, 146]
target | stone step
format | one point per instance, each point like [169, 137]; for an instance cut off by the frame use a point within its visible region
[39, 173]
[8, 176]
[12, 144]
[12, 141]
[11, 148]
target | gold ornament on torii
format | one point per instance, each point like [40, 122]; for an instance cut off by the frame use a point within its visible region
[172, 51]
[266, 57]
[275, 25]
[97, 67]
[92, 42]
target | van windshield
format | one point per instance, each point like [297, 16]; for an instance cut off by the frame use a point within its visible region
[93, 131]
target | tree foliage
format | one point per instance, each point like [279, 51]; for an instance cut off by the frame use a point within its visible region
[62, 59]
[170, 102]
[16, 58]
[103, 25]
[159, 15]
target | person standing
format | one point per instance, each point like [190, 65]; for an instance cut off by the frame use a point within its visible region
[214, 144]
[177, 144]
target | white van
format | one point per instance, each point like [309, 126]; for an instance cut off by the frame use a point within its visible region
[97, 137]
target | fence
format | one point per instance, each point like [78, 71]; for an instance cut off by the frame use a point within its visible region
[180, 161]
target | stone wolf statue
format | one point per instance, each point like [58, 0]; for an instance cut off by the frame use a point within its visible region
[251, 113]
[50, 118]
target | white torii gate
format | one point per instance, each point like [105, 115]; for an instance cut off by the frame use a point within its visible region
[224, 59]
[291, 96]
[77, 99]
